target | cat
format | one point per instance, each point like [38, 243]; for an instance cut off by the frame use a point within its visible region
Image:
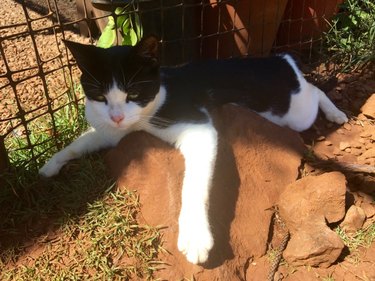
[127, 90]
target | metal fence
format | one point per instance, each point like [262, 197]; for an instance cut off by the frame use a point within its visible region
[39, 81]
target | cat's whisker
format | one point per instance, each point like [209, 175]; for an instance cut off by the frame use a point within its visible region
[123, 75]
[157, 120]
[96, 86]
[134, 75]
[140, 82]
[91, 75]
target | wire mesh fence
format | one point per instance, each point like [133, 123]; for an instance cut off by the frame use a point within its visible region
[39, 81]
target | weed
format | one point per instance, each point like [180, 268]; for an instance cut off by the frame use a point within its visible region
[33, 145]
[351, 38]
[362, 238]
[328, 278]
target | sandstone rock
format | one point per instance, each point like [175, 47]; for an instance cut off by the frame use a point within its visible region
[368, 208]
[313, 244]
[305, 206]
[368, 108]
[251, 174]
[366, 201]
[322, 196]
[354, 219]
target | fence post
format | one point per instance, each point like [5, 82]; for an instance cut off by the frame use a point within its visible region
[4, 161]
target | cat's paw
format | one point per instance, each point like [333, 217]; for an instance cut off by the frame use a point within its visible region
[195, 241]
[51, 168]
[337, 116]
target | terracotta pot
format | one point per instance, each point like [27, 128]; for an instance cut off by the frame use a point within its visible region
[233, 28]
[304, 21]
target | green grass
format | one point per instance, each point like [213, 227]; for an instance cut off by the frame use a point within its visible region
[105, 243]
[69, 123]
[351, 39]
[82, 227]
[328, 278]
[362, 238]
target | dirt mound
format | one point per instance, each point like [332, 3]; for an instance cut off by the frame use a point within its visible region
[256, 161]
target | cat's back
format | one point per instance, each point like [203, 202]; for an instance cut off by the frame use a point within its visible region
[265, 80]
[230, 68]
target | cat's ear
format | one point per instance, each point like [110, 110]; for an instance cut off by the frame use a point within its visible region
[148, 48]
[85, 55]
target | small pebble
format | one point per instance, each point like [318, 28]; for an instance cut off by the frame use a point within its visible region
[340, 131]
[337, 152]
[365, 135]
[328, 143]
[362, 117]
[344, 145]
[368, 145]
[357, 145]
[348, 150]
[347, 126]
[321, 138]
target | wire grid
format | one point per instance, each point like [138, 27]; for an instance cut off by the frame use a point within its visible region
[35, 87]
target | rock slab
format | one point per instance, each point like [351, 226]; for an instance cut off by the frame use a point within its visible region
[368, 108]
[354, 219]
[256, 161]
[306, 206]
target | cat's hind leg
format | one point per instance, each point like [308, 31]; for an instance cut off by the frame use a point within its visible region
[331, 112]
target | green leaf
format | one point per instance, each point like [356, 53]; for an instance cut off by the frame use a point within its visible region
[125, 26]
[108, 36]
[138, 25]
[122, 16]
[126, 39]
[133, 37]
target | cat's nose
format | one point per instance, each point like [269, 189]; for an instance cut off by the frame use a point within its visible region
[117, 118]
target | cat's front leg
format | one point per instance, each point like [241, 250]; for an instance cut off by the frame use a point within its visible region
[198, 144]
[88, 142]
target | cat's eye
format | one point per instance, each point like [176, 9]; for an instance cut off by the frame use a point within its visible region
[100, 98]
[133, 95]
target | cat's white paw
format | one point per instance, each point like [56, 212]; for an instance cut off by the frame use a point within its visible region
[50, 169]
[53, 166]
[195, 240]
[337, 116]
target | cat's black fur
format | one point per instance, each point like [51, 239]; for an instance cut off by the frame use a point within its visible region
[250, 82]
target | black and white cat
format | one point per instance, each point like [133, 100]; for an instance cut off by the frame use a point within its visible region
[127, 90]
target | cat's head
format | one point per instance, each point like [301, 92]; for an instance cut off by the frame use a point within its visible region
[120, 83]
